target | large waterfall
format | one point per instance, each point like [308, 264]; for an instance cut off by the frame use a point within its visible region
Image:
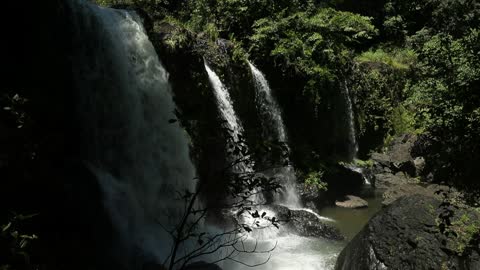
[274, 128]
[125, 107]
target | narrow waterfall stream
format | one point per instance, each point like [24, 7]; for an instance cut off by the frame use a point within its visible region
[225, 106]
[224, 102]
[274, 128]
[124, 105]
[353, 144]
[268, 108]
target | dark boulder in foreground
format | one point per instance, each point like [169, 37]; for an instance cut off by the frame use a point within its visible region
[406, 235]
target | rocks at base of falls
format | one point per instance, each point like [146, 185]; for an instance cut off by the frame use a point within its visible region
[435, 191]
[305, 223]
[351, 201]
[406, 235]
[400, 170]
[311, 197]
[341, 180]
[398, 191]
[344, 180]
[399, 157]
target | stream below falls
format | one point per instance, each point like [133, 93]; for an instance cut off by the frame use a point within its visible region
[293, 252]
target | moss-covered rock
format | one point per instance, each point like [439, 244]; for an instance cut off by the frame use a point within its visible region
[408, 235]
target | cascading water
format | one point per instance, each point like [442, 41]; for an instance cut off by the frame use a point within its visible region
[124, 104]
[292, 251]
[267, 107]
[224, 103]
[272, 123]
[233, 124]
[353, 144]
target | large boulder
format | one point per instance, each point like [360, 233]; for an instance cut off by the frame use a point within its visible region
[343, 179]
[396, 192]
[406, 235]
[312, 197]
[399, 157]
[401, 147]
[431, 190]
[387, 180]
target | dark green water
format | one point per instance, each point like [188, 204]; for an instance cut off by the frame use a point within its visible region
[351, 221]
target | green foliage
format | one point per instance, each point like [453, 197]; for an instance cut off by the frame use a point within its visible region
[465, 229]
[180, 37]
[402, 120]
[363, 163]
[379, 91]
[446, 99]
[316, 46]
[398, 59]
[315, 179]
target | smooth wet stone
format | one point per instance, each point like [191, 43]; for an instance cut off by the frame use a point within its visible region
[353, 202]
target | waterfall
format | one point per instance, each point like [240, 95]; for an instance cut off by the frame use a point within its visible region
[233, 124]
[140, 158]
[272, 123]
[271, 116]
[353, 144]
[225, 104]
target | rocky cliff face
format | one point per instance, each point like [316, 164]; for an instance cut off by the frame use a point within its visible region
[406, 235]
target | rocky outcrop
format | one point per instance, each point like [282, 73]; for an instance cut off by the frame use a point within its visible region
[396, 192]
[397, 171]
[343, 179]
[399, 157]
[406, 235]
[386, 180]
[311, 197]
[353, 202]
[305, 223]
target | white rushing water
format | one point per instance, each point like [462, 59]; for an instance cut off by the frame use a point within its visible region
[124, 106]
[233, 124]
[291, 251]
[272, 123]
[268, 107]
[224, 103]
